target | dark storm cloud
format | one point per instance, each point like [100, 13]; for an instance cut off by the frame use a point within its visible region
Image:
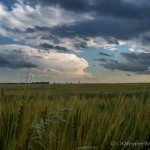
[140, 57]
[120, 19]
[3, 43]
[14, 62]
[146, 40]
[111, 40]
[30, 30]
[73, 5]
[134, 62]
[104, 54]
[100, 59]
[122, 9]
[124, 29]
[49, 46]
[128, 66]
[81, 43]
[113, 61]
[117, 8]
[106, 60]
[105, 27]
[41, 29]
[51, 37]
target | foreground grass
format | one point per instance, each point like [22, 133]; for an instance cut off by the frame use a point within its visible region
[51, 119]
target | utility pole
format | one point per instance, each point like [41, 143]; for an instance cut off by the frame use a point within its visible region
[97, 79]
[79, 81]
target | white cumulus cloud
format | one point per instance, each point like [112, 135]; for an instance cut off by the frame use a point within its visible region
[49, 64]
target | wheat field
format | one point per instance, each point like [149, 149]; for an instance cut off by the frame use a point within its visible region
[75, 117]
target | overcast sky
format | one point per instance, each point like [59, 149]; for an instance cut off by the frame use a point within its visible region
[75, 40]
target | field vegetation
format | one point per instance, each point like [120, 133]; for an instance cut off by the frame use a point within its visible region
[74, 116]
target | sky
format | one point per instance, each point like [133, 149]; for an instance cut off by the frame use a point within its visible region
[92, 41]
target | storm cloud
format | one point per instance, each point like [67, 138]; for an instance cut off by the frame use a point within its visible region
[104, 54]
[113, 20]
[100, 59]
[105, 27]
[134, 62]
[116, 8]
[14, 62]
[49, 46]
